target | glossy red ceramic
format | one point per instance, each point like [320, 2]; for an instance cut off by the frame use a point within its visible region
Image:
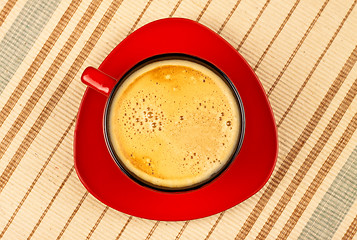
[249, 171]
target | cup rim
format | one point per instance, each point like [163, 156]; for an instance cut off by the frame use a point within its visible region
[168, 56]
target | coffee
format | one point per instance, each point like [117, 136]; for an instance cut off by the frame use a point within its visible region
[174, 123]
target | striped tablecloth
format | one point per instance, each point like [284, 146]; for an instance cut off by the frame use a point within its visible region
[304, 53]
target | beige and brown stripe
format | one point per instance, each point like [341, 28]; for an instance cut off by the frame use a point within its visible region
[314, 153]
[30, 104]
[39, 191]
[316, 64]
[6, 10]
[41, 56]
[319, 177]
[35, 181]
[280, 173]
[351, 231]
[228, 17]
[297, 48]
[90, 44]
[123, 228]
[253, 25]
[276, 34]
[101, 27]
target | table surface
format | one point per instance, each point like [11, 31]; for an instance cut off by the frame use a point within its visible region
[304, 53]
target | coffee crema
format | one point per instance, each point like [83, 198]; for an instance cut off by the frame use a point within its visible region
[174, 123]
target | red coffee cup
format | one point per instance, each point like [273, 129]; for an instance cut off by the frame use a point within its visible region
[108, 86]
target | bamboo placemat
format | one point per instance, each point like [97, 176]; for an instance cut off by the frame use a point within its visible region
[304, 53]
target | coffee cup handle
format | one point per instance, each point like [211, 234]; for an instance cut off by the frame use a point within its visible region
[98, 80]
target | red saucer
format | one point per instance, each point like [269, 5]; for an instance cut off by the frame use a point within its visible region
[246, 175]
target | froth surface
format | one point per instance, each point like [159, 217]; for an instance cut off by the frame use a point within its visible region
[174, 123]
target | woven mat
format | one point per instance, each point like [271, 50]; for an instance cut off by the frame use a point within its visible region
[304, 53]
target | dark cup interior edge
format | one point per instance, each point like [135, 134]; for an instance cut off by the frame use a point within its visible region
[161, 57]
